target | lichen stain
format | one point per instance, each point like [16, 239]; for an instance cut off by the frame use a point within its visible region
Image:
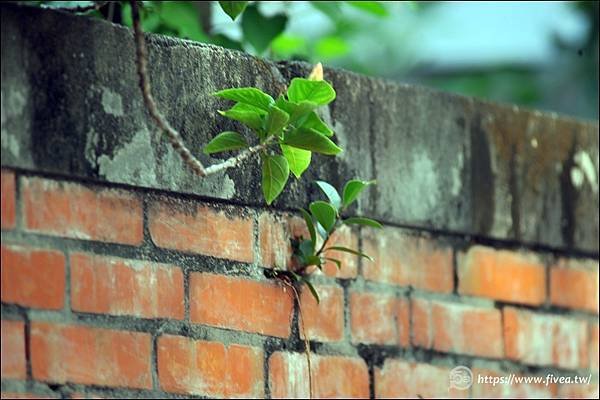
[584, 170]
[112, 102]
[12, 104]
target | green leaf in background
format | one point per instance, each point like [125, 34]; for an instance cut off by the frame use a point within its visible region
[275, 172]
[310, 225]
[249, 95]
[184, 18]
[246, 114]
[310, 139]
[319, 92]
[312, 289]
[324, 213]
[313, 121]
[331, 193]
[224, 41]
[363, 221]
[330, 8]
[298, 159]
[225, 141]
[351, 251]
[233, 8]
[331, 47]
[372, 7]
[286, 46]
[352, 189]
[276, 121]
[260, 30]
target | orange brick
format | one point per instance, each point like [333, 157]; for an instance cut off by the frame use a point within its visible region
[209, 368]
[502, 275]
[274, 238]
[516, 389]
[403, 321]
[13, 350]
[324, 321]
[372, 318]
[340, 377]
[76, 211]
[241, 304]
[110, 285]
[33, 277]
[457, 328]
[7, 200]
[578, 391]
[594, 339]
[343, 236]
[575, 285]
[400, 378]
[90, 356]
[27, 395]
[197, 228]
[406, 260]
[539, 339]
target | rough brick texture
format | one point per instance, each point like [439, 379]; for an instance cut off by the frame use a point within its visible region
[13, 350]
[324, 321]
[373, 318]
[566, 276]
[8, 200]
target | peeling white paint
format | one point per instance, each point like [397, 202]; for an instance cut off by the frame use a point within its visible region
[586, 168]
[112, 102]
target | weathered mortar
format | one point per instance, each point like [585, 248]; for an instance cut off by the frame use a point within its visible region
[71, 105]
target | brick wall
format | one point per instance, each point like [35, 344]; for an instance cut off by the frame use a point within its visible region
[112, 291]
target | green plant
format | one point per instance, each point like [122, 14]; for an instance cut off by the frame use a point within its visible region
[288, 129]
[322, 219]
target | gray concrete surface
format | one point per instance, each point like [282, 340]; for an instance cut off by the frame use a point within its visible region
[71, 105]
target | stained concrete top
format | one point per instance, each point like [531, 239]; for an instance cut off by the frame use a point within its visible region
[71, 105]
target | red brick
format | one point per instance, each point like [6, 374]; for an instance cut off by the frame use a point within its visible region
[406, 260]
[340, 377]
[400, 378]
[8, 200]
[274, 235]
[110, 285]
[502, 275]
[241, 304]
[197, 228]
[545, 340]
[521, 386]
[75, 211]
[372, 318]
[323, 321]
[27, 395]
[575, 285]
[594, 339]
[403, 321]
[346, 237]
[33, 277]
[13, 350]
[457, 328]
[90, 356]
[209, 368]
[578, 391]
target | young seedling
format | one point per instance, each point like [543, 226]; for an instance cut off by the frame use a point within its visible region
[288, 129]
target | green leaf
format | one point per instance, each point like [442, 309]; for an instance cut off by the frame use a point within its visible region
[312, 260]
[338, 263]
[297, 111]
[249, 95]
[331, 47]
[224, 41]
[347, 250]
[322, 232]
[298, 159]
[286, 46]
[276, 121]
[324, 213]
[363, 221]
[306, 248]
[233, 8]
[225, 141]
[312, 289]
[313, 121]
[310, 225]
[352, 189]
[260, 30]
[183, 18]
[319, 92]
[275, 172]
[310, 139]
[331, 193]
[246, 114]
[372, 7]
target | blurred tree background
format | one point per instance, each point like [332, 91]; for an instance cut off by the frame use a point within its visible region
[541, 55]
